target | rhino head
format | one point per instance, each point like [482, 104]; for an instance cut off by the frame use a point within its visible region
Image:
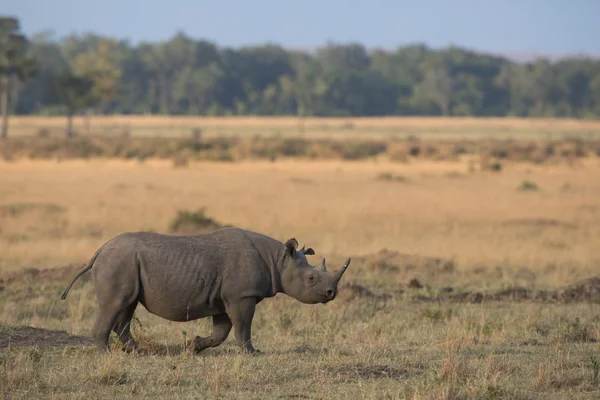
[303, 281]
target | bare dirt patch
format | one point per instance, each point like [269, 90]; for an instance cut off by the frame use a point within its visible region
[367, 372]
[583, 291]
[25, 336]
[351, 291]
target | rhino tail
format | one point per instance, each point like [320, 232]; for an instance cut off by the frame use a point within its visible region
[83, 271]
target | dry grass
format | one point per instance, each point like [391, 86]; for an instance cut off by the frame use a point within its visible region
[54, 213]
[178, 125]
[487, 152]
[479, 219]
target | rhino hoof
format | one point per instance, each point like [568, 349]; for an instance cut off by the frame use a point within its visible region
[199, 344]
[252, 352]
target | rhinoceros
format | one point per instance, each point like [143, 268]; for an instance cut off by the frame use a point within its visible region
[222, 274]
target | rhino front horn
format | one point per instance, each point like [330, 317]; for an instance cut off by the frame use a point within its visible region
[323, 266]
[338, 275]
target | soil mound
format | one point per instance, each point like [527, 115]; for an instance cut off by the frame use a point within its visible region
[386, 260]
[351, 291]
[584, 291]
[23, 336]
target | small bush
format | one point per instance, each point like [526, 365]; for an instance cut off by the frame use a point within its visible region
[294, 147]
[574, 332]
[499, 153]
[189, 222]
[437, 314]
[459, 149]
[414, 150]
[528, 186]
[495, 167]
[109, 375]
[595, 371]
[358, 150]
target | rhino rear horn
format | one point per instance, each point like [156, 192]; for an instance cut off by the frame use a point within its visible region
[323, 266]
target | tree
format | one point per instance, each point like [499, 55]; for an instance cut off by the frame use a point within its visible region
[334, 57]
[15, 65]
[74, 93]
[514, 81]
[33, 93]
[197, 88]
[183, 75]
[99, 66]
[438, 87]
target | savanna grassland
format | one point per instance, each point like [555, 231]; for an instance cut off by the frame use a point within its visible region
[473, 275]
[173, 126]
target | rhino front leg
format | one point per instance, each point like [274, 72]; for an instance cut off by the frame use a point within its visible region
[221, 328]
[241, 314]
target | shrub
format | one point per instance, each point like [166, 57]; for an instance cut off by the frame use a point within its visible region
[528, 185]
[357, 150]
[414, 150]
[574, 331]
[495, 166]
[190, 222]
[294, 147]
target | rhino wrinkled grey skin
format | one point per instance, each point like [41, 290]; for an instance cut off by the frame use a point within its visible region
[222, 274]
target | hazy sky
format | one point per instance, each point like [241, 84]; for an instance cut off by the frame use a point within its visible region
[503, 26]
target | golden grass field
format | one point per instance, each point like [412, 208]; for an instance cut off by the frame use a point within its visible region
[497, 232]
[172, 126]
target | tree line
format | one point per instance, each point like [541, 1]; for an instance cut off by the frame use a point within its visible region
[183, 76]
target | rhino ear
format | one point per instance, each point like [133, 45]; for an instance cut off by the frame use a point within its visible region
[309, 251]
[290, 247]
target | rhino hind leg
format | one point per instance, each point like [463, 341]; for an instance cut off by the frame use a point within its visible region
[221, 327]
[122, 328]
[114, 314]
[103, 326]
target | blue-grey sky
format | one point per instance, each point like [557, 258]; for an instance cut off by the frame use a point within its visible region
[503, 26]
